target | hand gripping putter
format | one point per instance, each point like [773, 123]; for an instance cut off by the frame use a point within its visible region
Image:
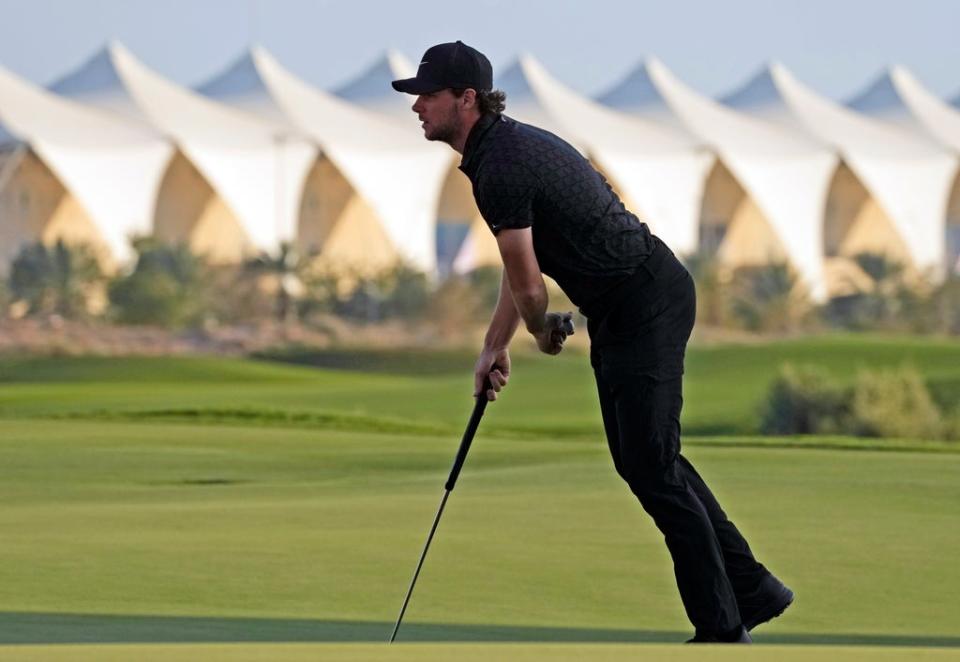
[472, 424]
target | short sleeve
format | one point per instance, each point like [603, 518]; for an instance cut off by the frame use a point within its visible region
[505, 194]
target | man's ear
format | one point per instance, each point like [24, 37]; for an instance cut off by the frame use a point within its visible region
[469, 98]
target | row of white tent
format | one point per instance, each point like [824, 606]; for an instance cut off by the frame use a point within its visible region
[256, 156]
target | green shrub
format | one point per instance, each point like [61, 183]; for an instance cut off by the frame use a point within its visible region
[5, 299]
[166, 287]
[804, 400]
[713, 291]
[951, 425]
[400, 291]
[280, 273]
[768, 298]
[884, 403]
[58, 279]
[894, 403]
[942, 308]
[890, 303]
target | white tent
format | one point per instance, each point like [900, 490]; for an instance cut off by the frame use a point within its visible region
[660, 171]
[784, 175]
[463, 241]
[900, 99]
[907, 176]
[371, 89]
[897, 97]
[395, 171]
[109, 166]
[6, 138]
[238, 156]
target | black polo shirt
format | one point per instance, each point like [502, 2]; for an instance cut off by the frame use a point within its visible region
[583, 236]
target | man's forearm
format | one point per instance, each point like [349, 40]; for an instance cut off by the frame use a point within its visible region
[522, 277]
[505, 318]
[531, 303]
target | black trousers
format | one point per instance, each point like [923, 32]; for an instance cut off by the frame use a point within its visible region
[637, 352]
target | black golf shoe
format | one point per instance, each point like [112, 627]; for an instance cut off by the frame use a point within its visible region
[740, 636]
[766, 603]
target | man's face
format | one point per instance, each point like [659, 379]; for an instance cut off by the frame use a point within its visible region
[439, 115]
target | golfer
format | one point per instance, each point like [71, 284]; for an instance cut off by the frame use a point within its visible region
[553, 214]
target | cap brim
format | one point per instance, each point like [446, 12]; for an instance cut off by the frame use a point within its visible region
[416, 86]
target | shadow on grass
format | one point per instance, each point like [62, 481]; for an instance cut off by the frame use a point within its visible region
[47, 628]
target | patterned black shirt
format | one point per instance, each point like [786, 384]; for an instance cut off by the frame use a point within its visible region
[583, 236]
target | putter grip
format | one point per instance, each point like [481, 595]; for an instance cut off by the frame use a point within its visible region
[478, 408]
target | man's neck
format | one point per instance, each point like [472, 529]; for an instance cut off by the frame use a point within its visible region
[460, 142]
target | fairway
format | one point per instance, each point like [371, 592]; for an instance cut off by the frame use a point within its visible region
[215, 509]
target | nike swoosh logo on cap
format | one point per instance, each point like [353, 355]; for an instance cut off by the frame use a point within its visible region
[422, 63]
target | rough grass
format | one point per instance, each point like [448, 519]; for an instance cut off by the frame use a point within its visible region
[724, 387]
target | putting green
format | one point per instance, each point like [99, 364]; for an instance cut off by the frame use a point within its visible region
[210, 509]
[464, 653]
[139, 533]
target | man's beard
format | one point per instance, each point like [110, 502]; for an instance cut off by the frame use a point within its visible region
[448, 131]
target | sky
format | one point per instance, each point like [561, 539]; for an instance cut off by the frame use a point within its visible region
[835, 46]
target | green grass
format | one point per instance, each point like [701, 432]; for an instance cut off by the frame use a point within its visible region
[462, 652]
[548, 396]
[210, 503]
[313, 535]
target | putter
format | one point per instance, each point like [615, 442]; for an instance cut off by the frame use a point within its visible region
[472, 424]
[478, 408]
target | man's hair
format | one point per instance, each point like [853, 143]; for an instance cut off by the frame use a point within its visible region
[488, 102]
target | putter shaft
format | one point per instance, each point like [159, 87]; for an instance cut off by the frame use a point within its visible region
[423, 555]
[472, 424]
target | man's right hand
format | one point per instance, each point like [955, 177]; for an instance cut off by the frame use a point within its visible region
[495, 365]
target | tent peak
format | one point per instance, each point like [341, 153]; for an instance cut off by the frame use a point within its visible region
[371, 87]
[880, 96]
[637, 88]
[96, 77]
[398, 63]
[762, 87]
[257, 49]
[775, 66]
[651, 62]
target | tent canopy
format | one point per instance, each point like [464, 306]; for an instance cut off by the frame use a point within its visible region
[109, 165]
[897, 97]
[394, 170]
[371, 89]
[908, 176]
[783, 174]
[659, 170]
[237, 154]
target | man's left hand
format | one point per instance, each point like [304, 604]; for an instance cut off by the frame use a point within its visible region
[556, 328]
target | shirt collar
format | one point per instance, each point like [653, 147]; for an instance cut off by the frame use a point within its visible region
[477, 134]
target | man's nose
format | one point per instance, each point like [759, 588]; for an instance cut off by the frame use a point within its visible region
[416, 105]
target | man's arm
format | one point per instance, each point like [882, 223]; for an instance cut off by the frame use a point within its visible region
[529, 292]
[503, 325]
[523, 295]
[522, 272]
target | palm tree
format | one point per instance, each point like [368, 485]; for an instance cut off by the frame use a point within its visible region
[283, 270]
[57, 279]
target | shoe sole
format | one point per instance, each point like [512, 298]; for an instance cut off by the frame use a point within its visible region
[772, 611]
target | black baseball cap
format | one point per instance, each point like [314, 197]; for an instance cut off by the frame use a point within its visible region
[449, 65]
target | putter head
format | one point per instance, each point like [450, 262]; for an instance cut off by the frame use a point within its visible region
[567, 326]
